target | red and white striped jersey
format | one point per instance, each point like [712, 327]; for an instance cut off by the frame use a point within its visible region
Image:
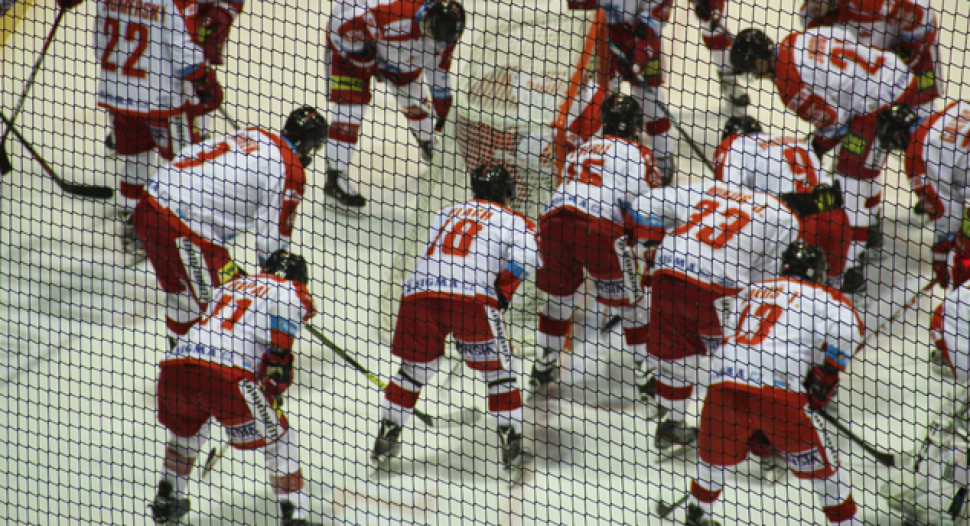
[775, 164]
[778, 329]
[938, 165]
[246, 317]
[720, 236]
[249, 180]
[145, 48]
[470, 244]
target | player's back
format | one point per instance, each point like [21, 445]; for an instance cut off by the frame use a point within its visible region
[775, 164]
[941, 144]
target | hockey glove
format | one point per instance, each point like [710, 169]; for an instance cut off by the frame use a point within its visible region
[505, 287]
[207, 89]
[214, 31]
[824, 198]
[820, 385]
[709, 10]
[442, 106]
[69, 4]
[275, 372]
[941, 249]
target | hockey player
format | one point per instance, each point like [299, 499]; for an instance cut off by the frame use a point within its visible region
[582, 227]
[395, 40]
[937, 164]
[908, 28]
[234, 366]
[718, 41]
[786, 167]
[778, 364]
[249, 180]
[839, 86]
[714, 239]
[477, 255]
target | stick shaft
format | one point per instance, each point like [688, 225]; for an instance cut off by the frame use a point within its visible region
[887, 459]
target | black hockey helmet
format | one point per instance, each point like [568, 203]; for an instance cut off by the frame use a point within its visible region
[621, 115]
[741, 126]
[892, 126]
[306, 130]
[750, 45]
[493, 182]
[287, 266]
[442, 20]
[804, 261]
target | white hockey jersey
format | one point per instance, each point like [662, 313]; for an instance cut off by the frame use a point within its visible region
[828, 78]
[470, 244]
[775, 164]
[880, 23]
[722, 237]
[249, 315]
[778, 329]
[950, 323]
[145, 48]
[603, 177]
[938, 165]
[249, 180]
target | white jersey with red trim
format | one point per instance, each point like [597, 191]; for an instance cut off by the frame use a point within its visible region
[249, 180]
[145, 48]
[879, 23]
[778, 329]
[775, 164]
[603, 177]
[828, 78]
[938, 165]
[246, 317]
[470, 245]
[721, 236]
[950, 325]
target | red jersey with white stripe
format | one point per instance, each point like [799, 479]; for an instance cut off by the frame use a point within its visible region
[603, 177]
[938, 165]
[146, 48]
[775, 164]
[828, 78]
[720, 236]
[246, 317]
[470, 245]
[249, 180]
[778, 329]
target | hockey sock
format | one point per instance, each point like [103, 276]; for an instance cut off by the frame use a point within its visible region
[136, 171]
[706, 486]
[635, 319]
[835, 496]
[180, 456]
[674, 398]
[504, 398]
[411, 100]
[554, 322]
[344, 131]
[404, 390]
[283, 465]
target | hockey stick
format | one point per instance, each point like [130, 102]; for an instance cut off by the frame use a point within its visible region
[886, 459]
[215, 454]
[80, 190]
[5, 166]
[467, 415]
[664, 509]
[621, 57]
[889, 321]
[232, 122]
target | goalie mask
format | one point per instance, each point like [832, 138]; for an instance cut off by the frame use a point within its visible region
[741, 126]
[306, 130]
[622, 116]
[804, 261]
[442, 20]
[287, 266]
[493, 182]
[893, 126]
[749, 46]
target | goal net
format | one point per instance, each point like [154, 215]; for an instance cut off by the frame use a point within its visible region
[513, 102]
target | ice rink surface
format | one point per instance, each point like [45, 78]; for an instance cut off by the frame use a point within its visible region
[81, 335]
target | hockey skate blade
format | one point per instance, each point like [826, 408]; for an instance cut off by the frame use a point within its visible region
[517, 474]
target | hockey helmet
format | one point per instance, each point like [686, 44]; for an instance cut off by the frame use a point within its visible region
[306, 130]
[493, 182]
[287, 266]
[893, 126]
[741, 126]
[442, 20]
[621, 115]
[804, 261]
[750, 45]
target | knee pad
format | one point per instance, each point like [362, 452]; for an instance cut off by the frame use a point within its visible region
[414, 376]
[559, 307]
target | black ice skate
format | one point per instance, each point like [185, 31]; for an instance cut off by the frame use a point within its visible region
[341, 194]
[134, 251]
[167, 509]
[387, 445]
[695, 517]
[647, 386]
[515, 458]
[735, 97]
[939, 365]
[545, 372]
[854, 281]
[672, 437]
[286, 509]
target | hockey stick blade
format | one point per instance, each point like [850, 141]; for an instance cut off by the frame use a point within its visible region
[5, 166]
[886, 459]
[664, 509]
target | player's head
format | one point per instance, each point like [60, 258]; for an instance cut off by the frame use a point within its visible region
[287, 266]
[753, 52]
[493, 182]
[893, 126]
[622, 116]
[442, 20]
[306, 130]
[804, 261]
[741, 126]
